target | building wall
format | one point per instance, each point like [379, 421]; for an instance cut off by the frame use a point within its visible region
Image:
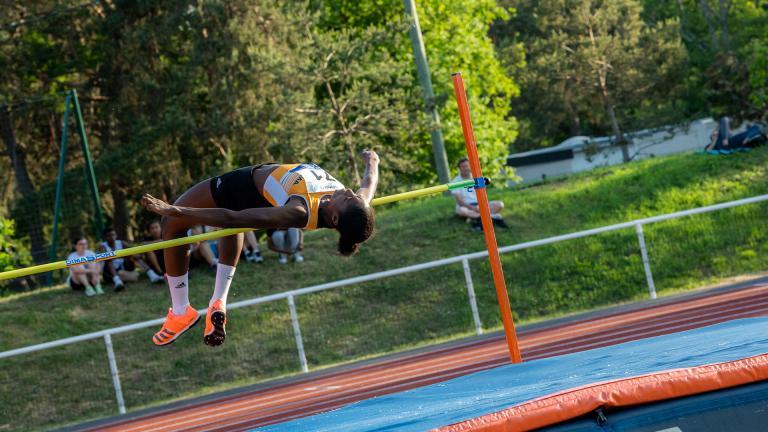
[645, 144]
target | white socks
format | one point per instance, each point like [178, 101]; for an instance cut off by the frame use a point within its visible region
[224, 274]
[179, 286]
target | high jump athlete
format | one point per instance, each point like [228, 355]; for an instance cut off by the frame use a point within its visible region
[261, 196]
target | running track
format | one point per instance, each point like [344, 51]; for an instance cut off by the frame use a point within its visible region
[326, 391]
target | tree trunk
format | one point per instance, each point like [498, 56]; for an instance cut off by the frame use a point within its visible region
[707, 12]
[615, 125]
[725, 32]
[121, 216]
[23, 183]
[574, 119]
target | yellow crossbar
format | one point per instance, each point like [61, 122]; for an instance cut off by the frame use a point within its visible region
[208, 236]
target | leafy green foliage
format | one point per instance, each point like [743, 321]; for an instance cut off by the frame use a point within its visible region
[594, 67]
[758, 72]
[720, 38]
[358, 95]
[12, 253]
[456, 39]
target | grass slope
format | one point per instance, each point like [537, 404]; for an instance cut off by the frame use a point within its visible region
[73, 383]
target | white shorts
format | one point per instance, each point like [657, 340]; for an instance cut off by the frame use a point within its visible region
[458, 207]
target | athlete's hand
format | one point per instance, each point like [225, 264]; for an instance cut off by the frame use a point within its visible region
[370, 157]
[158, 206]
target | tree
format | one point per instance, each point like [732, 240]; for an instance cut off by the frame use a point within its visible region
[592, 55]
[456, 40]
[723, 38]
[358, 95]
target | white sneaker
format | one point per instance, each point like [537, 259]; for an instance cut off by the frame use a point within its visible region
[119, 285]
[89, 291]
[283, 259]
[298, 258]
[154, 277]
[257, 258]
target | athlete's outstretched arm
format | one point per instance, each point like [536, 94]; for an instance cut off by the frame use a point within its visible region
[370, 177]
[288, 216]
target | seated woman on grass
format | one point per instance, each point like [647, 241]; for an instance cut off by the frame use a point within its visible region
[261, 196]
[87, 276]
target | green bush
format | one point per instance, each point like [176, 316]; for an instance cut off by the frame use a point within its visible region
[13, 254]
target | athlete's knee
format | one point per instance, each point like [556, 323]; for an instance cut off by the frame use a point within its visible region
[171, 228]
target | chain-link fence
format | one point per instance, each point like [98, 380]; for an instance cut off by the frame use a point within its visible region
[32, 135]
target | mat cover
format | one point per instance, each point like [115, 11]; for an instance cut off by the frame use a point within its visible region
[548, 391]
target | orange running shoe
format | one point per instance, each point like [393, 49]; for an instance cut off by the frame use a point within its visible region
[215, 320]
[175, 325]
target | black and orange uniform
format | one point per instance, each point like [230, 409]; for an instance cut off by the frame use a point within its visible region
[237, 190]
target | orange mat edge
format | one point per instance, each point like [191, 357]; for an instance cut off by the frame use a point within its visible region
[557, 407]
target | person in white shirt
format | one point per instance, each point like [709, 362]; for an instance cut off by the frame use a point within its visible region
[466, 200]
[84, 276]
[120, 270]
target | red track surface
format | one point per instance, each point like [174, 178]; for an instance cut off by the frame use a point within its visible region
[304, 397]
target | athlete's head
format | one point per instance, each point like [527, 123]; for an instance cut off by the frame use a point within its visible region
[353, 218]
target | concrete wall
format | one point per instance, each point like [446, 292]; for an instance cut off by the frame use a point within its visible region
[645, 144]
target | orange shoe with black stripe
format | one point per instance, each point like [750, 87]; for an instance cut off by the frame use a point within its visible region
[215, 320]
[175, 325]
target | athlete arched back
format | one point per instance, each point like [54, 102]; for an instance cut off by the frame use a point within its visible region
[261, 196]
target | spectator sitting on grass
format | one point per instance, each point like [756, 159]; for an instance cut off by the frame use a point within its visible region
[286, 242]
[719, 140]
[466, 200]
[155, 259]
[251, 248]
[84, 276]
[121, 270]
[204, 252]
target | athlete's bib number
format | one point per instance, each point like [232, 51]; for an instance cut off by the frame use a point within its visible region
[317, 179]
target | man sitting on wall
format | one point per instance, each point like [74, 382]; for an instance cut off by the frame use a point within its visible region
[466, 200]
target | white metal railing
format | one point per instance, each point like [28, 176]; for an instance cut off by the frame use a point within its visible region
[464, 259]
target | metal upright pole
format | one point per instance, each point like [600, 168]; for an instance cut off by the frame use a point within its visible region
[297, 334]
[646, 261]
[115, 374]
[60, 180]
[472, 297]
[422, 67]
[89, 166]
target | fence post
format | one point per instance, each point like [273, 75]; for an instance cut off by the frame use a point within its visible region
[297, 334]
[99, 222]
[646, 262]
[115, 375]
[472, 299]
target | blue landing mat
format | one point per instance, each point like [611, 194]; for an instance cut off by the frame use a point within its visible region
[486, 392]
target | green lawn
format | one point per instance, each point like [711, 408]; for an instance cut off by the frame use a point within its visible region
[72, 383]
